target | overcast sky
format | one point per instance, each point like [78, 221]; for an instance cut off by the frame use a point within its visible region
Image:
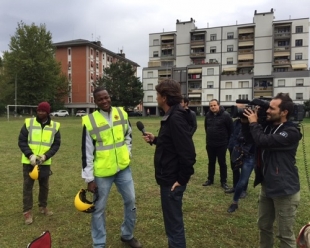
[125, 24]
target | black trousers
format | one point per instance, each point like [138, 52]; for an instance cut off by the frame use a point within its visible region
[236, 174]
[218, 153]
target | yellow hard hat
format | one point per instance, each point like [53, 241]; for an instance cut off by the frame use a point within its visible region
[82, 204]
[34, 174]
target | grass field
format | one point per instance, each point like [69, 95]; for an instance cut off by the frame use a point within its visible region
[206, 221]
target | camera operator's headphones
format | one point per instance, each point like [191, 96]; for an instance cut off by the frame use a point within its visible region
[84, 205]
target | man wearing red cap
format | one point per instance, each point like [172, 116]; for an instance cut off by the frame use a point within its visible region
[39, 140]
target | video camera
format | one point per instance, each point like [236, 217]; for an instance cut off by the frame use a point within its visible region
[263, 103]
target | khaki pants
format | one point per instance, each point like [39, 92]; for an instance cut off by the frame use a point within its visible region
[283, 210]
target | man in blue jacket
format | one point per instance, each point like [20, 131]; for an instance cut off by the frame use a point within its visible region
[276, 171]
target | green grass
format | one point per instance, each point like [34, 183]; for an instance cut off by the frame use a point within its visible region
[206, 221]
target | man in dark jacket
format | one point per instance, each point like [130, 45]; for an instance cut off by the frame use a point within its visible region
[193, 120]
[174, 159]
[276, 171]
[218, 127]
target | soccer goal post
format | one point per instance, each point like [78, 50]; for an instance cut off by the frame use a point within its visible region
[15, 106]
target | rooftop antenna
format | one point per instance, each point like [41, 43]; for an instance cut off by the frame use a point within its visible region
[92, 36]
[236, 22]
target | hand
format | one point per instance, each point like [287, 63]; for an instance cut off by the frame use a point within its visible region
[41, 158]
[176, 184]
[92, 187]
[251, 115]
[33, 159]
[148, 137]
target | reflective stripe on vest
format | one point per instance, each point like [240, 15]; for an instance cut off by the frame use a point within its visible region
[111, 151]
[40, 140]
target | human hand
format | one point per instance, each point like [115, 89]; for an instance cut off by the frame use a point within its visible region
[251, 115]
[92, 187]
[42, 158]
[148, 137]
[176, 184]
[33, 159]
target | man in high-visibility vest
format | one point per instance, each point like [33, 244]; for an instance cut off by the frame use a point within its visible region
[39, 140]
[106, 152]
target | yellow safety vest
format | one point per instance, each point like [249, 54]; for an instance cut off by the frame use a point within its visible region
[111, 152]
[40, 140]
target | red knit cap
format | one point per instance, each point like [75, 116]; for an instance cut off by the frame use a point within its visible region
[44, 106]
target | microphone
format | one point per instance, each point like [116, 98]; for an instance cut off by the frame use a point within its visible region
[140, 126]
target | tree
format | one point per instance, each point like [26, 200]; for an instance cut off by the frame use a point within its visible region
[30, 61]
[124, 87]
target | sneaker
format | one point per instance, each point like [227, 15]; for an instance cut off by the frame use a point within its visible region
[232, 208]
[207, 183]
[243, 195]
[45, 211]
[28, 217]
[229, 191]
[132, 242]
[224, 186]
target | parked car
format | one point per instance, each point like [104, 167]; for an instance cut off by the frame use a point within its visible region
[80, 113]
[62, 113]
[134, 113]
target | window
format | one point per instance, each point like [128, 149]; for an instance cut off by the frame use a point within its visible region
[150, 98]
[210, 84]
[213, 49]
[69, 76]
[230, 61]
[230, 35]
[103, 56]
[150, 86]
[103, 67]
[91, 76]
[213, 37]
[228, 85]
[243, 97]
[156, 42]
[284, 43]
[299, 96]
[149, 74]
[212, 61]
[243, 84]
[155, 54]
[230, 48]
[281, 83]
[298, 42]
[298, 56]
[299, 29]
[300, 82]
[69, 51]
[210, 97]
[97, 54]
[69, 65]
[91, 64]
[280, 69]
[210, 71]
[69, 100]
[91, 51]
[228, 98]
[92, 99]
[97, 66]
[167, 63]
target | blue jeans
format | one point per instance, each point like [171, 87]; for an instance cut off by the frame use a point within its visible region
[124, 183]
[171, 203]
[246, 170]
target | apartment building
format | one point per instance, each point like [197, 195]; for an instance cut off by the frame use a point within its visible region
[83, 62]
[243, 61]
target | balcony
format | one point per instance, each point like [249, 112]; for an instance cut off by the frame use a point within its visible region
[167, 56]
[194, 90]
[194, 102]
[245, 51]
[167, 45]
[282, 62]
[197, 42]
[245, 64]
[246, 37]
[281, 48]
[280, 35]
[197, 55]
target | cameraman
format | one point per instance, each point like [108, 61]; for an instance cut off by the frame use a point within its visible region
[276, 170]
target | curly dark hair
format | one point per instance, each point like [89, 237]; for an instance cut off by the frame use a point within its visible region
[171, 90]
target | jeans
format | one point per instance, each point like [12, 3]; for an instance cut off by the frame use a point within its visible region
[246, 170]
[124, 183]
[283, 210]
[28, 186]
[220, 154]
[171, 203]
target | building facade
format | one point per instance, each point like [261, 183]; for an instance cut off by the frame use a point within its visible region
[246, 61]
[83, 62]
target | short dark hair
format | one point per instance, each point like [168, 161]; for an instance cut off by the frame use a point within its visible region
[171, 90]
[98, 89]
[286, 103]
[215, 100]
[185, 100]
